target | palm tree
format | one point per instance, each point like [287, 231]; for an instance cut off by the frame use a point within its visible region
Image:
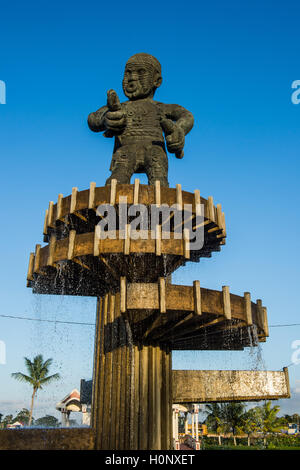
[233, 414]
[269, 421]
[250, 423]
[37, 377]
[214, 419]
[213, 411]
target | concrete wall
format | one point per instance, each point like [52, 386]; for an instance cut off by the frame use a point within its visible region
[202, 386]
[47, 439]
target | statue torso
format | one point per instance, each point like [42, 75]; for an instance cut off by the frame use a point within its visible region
[142, 121]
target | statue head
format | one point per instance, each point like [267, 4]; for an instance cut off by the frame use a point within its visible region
[142, 76]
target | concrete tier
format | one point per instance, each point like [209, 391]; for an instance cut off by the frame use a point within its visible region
[192, 318]
[208, 386]
[79, 261]
[81, 264]
[78, 210]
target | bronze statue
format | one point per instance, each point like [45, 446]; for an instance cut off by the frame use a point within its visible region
[138, 124]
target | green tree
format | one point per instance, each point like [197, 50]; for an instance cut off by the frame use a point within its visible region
[47, 421]
[296, 418]
[269, 422]
[214, 420]
[23, 416]
[250, 423]
[287, 419]
[214, 413]
[37, 377]
[233, 415]
[7, 420]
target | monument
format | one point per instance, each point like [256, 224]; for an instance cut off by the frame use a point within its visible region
[121, 243]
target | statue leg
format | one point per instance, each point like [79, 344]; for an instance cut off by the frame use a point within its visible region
[122, 166]
[157, 165]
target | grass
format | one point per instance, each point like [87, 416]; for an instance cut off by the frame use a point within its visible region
[244, 447]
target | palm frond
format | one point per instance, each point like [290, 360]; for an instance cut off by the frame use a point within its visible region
[50, 378]
[29, 365]
[38, 370]
[47, 363]
[22, 377]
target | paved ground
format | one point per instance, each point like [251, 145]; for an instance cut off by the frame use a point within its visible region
[185, 447]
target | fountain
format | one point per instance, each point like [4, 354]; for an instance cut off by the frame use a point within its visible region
[93, 248]
[141, 316]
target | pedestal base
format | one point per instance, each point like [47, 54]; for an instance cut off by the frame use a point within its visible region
[132, 387]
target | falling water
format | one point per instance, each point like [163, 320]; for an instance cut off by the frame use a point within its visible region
[60, 276]
[255, 350]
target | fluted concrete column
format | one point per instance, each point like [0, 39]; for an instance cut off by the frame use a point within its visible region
[193, 424]
[196, 412]
[186, 423]
[132, 387]
[176, 424]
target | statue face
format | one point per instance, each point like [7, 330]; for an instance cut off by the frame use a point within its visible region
[139, 80]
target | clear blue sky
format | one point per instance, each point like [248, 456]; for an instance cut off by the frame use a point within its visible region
[232, 64]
